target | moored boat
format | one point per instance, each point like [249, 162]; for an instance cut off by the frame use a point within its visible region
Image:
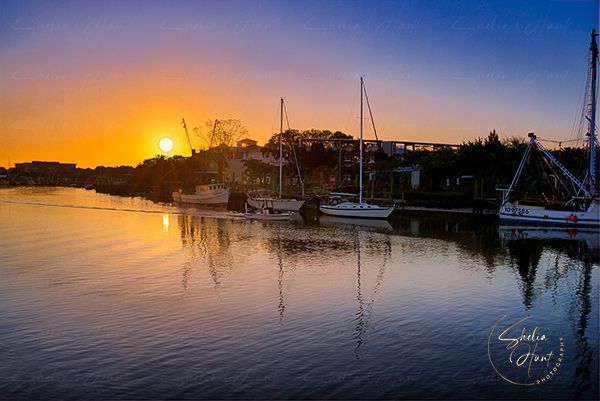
[578, 201]
[292, 205]
[279, 203]
[360, 209]
[205, 194]
[266, 212]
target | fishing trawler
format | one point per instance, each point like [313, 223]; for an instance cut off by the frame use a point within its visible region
[582, 206]
[205, 194]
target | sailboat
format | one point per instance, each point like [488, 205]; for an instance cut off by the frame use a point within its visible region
[279, 203]
[360, 209]
[583, 208]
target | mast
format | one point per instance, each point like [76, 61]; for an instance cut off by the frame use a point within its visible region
[187, 135]
[593, 172]
[280, 147]
[360, 145]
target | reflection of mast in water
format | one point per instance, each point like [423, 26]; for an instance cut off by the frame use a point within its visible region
[363, 313]
[281, 305]
[206, 239]
[583, 351]
[527, 256]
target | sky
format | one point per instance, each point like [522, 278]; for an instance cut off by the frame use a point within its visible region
[101, 82]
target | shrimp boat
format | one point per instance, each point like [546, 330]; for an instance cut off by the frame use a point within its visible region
[360, 209]
[279, 203]
[205, 194]
[582, 207]
[267, 212]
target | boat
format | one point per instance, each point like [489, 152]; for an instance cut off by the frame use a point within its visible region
[279, 203]
[582, 207]
[344, 208]
[282, 204]
[266, 212]
[205, 194]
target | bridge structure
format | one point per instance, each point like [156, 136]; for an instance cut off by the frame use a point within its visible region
[391, 148]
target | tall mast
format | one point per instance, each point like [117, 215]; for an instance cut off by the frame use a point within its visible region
[360, 145]
[593, 172]
[280, 147]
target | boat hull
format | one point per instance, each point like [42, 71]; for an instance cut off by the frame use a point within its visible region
[203, 199]
[357, 210]
[292, 205]
[524, 214]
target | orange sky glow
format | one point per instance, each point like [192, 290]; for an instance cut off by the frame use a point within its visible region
[106, 95]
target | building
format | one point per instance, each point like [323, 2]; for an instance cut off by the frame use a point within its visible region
[247, 149]
[38, 167]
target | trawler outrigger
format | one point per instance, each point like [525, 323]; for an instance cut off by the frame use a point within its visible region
[583, 206]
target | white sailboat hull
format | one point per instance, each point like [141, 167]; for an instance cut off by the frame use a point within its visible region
[524, 214]
[292, 205]
[357, 210]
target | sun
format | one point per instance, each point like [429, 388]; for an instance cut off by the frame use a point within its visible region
[166, 144]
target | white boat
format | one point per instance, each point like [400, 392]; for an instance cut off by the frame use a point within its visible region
[513, 212]
[583, 207]
[358, 209]
[268, 213]
[206, 194]
[292, 205]
[279, 203]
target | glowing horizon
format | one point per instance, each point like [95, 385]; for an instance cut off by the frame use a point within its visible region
[101, 83]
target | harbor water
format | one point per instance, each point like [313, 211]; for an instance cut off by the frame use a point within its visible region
[110, 297]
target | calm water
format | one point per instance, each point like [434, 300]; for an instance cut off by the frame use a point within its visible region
[119, 298]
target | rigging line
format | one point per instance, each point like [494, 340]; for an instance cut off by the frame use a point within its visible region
[287, 120]
[581, 103]
[370, 113]
[293, 147]
[559, 142]
[559, 176]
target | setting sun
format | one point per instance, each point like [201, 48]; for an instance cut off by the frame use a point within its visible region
[166, 144]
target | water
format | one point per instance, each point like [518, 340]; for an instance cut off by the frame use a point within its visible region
[120, 298]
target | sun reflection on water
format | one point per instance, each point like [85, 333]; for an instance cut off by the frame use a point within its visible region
[165, 221]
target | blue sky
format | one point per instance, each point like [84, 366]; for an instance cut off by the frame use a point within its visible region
[443, 71]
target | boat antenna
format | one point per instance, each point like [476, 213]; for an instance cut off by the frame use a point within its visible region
[593, 171]
[360, 144]
[188, 136]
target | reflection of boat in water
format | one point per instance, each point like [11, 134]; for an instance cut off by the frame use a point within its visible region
[205, 194]
[377, 224]
[267, 213]
[582, 205]
[590, 236]
[344, 208]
